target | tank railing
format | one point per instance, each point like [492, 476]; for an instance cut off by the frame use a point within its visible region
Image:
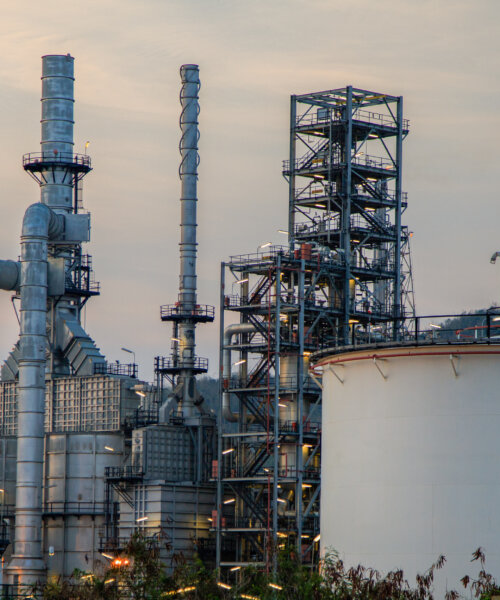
[116, 368]
[478, 328]
[78, 508]
[56, 157]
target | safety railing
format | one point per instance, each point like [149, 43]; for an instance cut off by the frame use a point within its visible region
[74, 508]
[116, 368]
[126, 472]
[173, 311]
[64, 158]
[168, 363]
[324, 116]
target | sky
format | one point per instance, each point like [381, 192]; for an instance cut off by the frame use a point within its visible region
[442, 56]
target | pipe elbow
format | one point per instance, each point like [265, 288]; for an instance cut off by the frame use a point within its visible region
[229, 332]
[41, 221]
[227, 413]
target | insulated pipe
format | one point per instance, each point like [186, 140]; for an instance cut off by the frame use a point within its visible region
[188, 173]
[39, 224]
[10, 274]
[229, 332]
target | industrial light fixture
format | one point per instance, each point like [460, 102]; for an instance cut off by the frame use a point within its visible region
[283, 231]
[319, 205]
[281, 500]
[239, 362]
[495, 319]
[141, 394]
[107, 556]
[275, 586]
[109, 449]
[230, 501]
[223, 585]
[175, 339]
[141, 519]
[235, 569]
[266, 245]
[130, 352]
[241, 280]
[317, 538]
[228, 451]
[352, 321]
[282, 405]
[434, 326]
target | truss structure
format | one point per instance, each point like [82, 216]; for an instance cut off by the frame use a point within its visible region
[344, 278]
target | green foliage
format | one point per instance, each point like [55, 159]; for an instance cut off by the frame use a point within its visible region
[142, 577]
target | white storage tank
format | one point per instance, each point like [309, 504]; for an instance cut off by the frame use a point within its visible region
[411, 458]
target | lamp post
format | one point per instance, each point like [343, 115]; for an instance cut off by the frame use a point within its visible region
[133, 354]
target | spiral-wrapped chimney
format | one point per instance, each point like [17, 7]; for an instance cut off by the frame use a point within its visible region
[186, 313]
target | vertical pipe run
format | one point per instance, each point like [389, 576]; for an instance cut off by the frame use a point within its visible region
[39, 224]
[291, 182]
[277, 352]
[397, 257]
[188, 173]
[217, 525]
[346, 214]
[300, 410]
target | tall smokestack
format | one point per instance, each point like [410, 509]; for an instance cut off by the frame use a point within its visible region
[184, 364]
[188, 172]
[39, 226]
[50, 243]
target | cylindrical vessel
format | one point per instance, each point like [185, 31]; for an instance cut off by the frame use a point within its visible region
[57, 129]
[410, 458]
[74, 497]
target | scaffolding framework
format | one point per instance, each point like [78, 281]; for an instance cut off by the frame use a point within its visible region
[344, 278]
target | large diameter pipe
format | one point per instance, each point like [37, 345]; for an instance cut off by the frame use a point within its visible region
[10, 274]
[39, 224]
[57, 129]
[229, 332]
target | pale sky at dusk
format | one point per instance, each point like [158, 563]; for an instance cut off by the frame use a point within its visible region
[442, 56]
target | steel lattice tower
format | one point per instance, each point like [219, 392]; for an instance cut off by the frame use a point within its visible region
[343, 279]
